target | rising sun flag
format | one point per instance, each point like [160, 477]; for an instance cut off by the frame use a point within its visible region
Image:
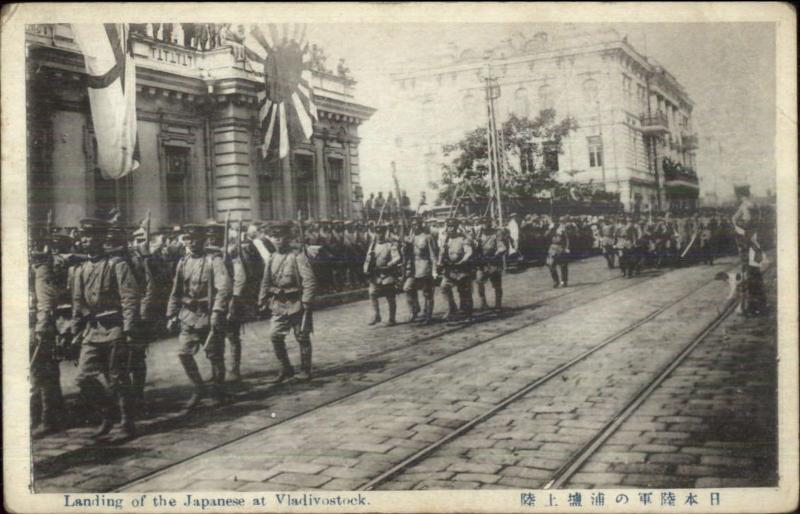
[280, 52]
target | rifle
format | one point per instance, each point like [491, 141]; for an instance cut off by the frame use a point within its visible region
[147, 233]
[307, 323]
[402, 243]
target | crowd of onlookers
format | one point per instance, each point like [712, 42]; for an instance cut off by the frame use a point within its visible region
[390, 206]
[199, 36]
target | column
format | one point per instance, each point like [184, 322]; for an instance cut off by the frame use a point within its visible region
[321, 178]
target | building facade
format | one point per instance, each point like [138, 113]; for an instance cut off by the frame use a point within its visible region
[198, 140]
[634, 119]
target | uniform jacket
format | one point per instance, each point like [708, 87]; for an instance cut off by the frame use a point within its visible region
[105, 296]
[455, 255]
[387, 256]
[142, 269]
[288, 280]
[423, 255]
[202, 285]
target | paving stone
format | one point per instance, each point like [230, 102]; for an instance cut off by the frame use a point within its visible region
[482, 478]
[300, 480]
[523, 472]
[673, 458]
[299, 467]
[598, 479]
[366, 447]
[717, 460]
[253, 475]
[474, 467]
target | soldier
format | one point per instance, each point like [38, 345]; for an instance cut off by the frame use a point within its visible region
[380, 267]
[627, 245]
[491, 249]
[138, 259]
[50, 292]
[454, 261]
[105, 303]
[607, 241]
[288, 290]
[558, 253]
[200, 296]
[752, 300]
[246, 270]
[421, 261]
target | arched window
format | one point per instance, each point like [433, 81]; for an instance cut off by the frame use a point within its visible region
[545, 97]
[590, 91]
[521, 103]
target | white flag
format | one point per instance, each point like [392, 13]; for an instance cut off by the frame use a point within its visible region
[112, 94]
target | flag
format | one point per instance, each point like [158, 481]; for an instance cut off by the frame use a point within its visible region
[112, 94]
[286, 103]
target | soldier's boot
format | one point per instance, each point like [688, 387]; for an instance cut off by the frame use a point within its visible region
[236, 357]
[498, 299]
[190, 367]
[305, 361]
[220, 395]
[564, 275]
[554, 276]
[93, 393]
[127, 425]
[451, 305]
[428, 311]
[390, 299]
[376, 312]
[482, 295]
[413, 305]
[287, 371]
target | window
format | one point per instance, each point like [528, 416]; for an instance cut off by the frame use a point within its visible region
[545, 97]
[265, 197]
[304, 185]
[595, 151]
[335, 169]
[641, 95]
[521, 103]
[590, 91]
[177, 177]
[627, 90]
[550, 151]
[526, 164]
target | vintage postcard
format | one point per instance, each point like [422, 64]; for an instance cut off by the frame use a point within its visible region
[399, 257]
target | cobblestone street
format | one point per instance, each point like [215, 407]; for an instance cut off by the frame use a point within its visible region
[371, 406]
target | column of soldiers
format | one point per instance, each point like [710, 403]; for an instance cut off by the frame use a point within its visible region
[103, 293]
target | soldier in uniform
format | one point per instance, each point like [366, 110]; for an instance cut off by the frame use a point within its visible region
[380, 267]
[558, 253]
[246, 270]
[607, 241]
[288, 289]
[454, 261]
[144, 332]
[105, 304]
[491, 249]
[200, 296]
[421, 261]
[49, 292]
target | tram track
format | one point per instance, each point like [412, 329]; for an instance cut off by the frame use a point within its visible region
[374, 355]
[577, 459]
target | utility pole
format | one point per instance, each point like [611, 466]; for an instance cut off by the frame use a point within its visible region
[492, 90]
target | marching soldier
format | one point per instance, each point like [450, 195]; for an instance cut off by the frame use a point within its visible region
[200, 296]
[380, 267]
[105, 303]
[421, 261]
[491, 248]
[49, 291]
[246, 269]
[454, 261]
[558, 253]
[288, 290]
[607, 241]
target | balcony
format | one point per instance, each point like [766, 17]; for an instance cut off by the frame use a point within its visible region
[689, 141]
[654, 124]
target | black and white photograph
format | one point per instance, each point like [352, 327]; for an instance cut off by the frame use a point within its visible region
[275, 261]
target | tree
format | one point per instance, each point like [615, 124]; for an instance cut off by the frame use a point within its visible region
[526, 170]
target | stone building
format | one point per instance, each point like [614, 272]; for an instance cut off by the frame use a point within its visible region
[198, 140]
[635, 132]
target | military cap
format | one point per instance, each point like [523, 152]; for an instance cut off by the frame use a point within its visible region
[280, 226]
[194, 229]
[116, 233]
[213, 228]
[94, 225]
